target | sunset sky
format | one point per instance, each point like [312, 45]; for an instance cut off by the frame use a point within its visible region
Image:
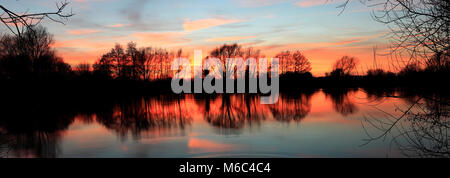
[312, 26]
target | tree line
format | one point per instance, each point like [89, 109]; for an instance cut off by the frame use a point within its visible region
[420, 29]
[134, 63]
[31, 56]
[149, 63]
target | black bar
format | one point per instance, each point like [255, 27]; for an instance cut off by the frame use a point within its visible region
[171, 167]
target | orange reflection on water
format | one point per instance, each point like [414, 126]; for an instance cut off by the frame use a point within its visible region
[195, 124]
[204, 145]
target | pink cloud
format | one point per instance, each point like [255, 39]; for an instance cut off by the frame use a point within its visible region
[311, 3]
[195, 25]
[258, 3]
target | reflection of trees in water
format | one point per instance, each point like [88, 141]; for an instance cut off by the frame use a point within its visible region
[236, 111]
[38, 133]
[378, 95]
[233, 111]
[420, 131]
[27, 134]
[292, 107]
[35, 129]
[142, 115]
[37, 144]
[341, 100]
[4, 146]
[428, 135]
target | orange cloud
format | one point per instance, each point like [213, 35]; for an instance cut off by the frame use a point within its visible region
[82, 31]
[352, 43]
[81, 43]
[322, 59]
[81, 50]
[309, 46]
[323, 54]
[160, 38]
[309, 3]
[77, 57]
[195, 25]
[345, 42]
[229, 38]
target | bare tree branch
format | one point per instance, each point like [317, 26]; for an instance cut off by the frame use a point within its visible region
[18, 23]
[419, 28]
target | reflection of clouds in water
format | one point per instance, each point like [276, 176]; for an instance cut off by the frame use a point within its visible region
[149, 118]
[157, 121]
[197, 145]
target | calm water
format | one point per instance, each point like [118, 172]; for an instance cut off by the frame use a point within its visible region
[310, 124]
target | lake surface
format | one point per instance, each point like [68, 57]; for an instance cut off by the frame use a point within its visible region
[309, 124]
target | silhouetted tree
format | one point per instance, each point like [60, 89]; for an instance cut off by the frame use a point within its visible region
[159, 63]
[285, 61]
[410, 69]
[33, 44]
[30, 55]
[148, 57]
[375, 72]
[293, 62]
[136, 64]
[227, 51]
[346, 65]
[440, 62]
[380, 73]
[104, 67]
[234, 51]
[118, 56]
[302, 65]
[136, 60]
[251, 53]
[83, 70]
[83, 67]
